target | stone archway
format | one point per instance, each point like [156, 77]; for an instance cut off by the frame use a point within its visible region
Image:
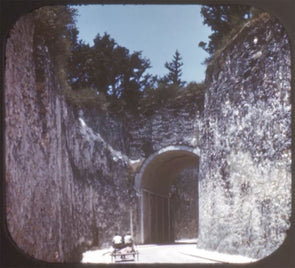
[153, 183]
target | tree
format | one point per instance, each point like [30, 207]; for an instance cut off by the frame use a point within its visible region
[108, 68]
[53, 27]
[175, 72]
[80, 66]
[224, 21]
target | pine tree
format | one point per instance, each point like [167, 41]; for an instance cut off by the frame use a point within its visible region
[175, 72]
[108, 68]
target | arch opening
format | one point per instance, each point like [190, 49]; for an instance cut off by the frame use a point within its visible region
[158, 183]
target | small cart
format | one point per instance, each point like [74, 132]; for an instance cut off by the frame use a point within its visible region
[124, 254]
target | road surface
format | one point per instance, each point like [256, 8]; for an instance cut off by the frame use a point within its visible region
[174, 253]
[169, 254]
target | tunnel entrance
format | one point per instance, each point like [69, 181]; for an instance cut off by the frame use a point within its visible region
[154, 181]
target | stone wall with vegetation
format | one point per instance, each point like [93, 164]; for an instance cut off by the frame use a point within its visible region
[245, 172]
[69, 169]
[61, 185]
[33, 138]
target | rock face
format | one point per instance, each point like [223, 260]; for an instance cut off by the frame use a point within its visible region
[245, 180]
[70, 173]
[183, 193]
[61, 184]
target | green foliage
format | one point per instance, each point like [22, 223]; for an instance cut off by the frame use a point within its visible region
[109, 69]
[161, 95]
[79, 66]
[105, 75]
[86, 97]
[197, 90]
[175, 72]
[225, 22]
[172, 95]
[53, 26]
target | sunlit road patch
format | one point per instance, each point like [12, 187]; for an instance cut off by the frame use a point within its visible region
[175, 253]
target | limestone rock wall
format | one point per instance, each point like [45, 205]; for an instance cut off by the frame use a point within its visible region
[166, 126]
[184, 200]
[61, 184]
[245, 180]
[139, 135]
[70, 173]
[32, 139]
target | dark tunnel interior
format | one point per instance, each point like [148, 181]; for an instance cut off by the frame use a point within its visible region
[156, 204]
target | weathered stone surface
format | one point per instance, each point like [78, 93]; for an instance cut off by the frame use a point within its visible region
[70, 174]
[184, 196]
[61, 186]
[245, 181]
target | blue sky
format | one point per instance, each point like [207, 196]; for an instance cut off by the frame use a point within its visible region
[156, 30]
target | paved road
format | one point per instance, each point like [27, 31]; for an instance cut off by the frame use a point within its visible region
[176, 253]
[169, 254]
